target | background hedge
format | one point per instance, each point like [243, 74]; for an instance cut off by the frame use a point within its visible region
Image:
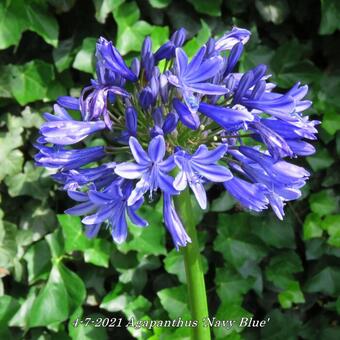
[256, 266]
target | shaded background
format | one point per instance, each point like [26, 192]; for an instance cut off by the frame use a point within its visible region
[256, 265]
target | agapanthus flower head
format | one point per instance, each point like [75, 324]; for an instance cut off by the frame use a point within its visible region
[173, 124]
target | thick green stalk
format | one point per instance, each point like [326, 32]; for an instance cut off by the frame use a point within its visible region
[193, 268]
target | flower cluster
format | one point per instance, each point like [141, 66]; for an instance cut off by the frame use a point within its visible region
[170, 123]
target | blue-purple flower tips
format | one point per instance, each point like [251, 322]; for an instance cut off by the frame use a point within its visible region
[174, 124]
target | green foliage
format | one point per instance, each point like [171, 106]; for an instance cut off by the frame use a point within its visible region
[256, 266]
[17, 16]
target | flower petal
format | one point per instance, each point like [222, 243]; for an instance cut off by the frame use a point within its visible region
[138, 152]
[156, 149]
[130, 170]
[212, 172]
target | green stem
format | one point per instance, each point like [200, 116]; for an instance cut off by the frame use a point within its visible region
[193, 268]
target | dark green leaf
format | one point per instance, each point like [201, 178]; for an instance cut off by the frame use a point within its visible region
[174, 301]
[292, 294]
[282, 267]
[63, 55]
[312, 226]
[213, 7]
[320, 160]
[38, 258]
[323, 202]
[160, 3]
[84, 60]
[330, 16]
[223, 203]
[151, 239]
[98, 253]
[8, 307]
[29, 82]
[327, 281]
[51, 305]
[74, 235]
[18, 16]
[32, 182]
[105, 7]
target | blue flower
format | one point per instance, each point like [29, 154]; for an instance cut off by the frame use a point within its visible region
[165, 125]
[190, 77]
[62, 129]
[187, 117]
[251, 195]
[131, 121]
[149, 167]
[230, 39]
[111, 205]
[225, 116]
[197, 168]
[60, 158]
[173, 223]
[109, 57]
[236, 129]
[167, 51]
[100, 177]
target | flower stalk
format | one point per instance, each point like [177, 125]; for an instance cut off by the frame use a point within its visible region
[193, 269]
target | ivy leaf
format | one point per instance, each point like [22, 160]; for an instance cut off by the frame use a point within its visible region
[213, 7]
[228, 311]
[291, 294]
[131, 30]
[331, 224]
[8, 249]
[74, 286]
[18, 16]
[195, 43]
[235, 242]
[42, 22]
[86, 332]
[38, 258]
[62, 294]
[115, 301]
[33, 182]
[151, 239]
[323, 202]
[96, 251]
[331, 122]
[174, 264]
[320, 160]
[327, 281]
[291, 329]
[174, 302]
[8, 307]
[84, 60]
[104, 8]
[273, 232]
[330, 16]
[159, 3]
[51, 305]
[63, 54]
[282, 267]
[223, 203]
[29, 82]
[74, 236]
[99, 253]
[312, 226]
[20, 318]
[12, 19]
[231, 286]
[56, 243]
